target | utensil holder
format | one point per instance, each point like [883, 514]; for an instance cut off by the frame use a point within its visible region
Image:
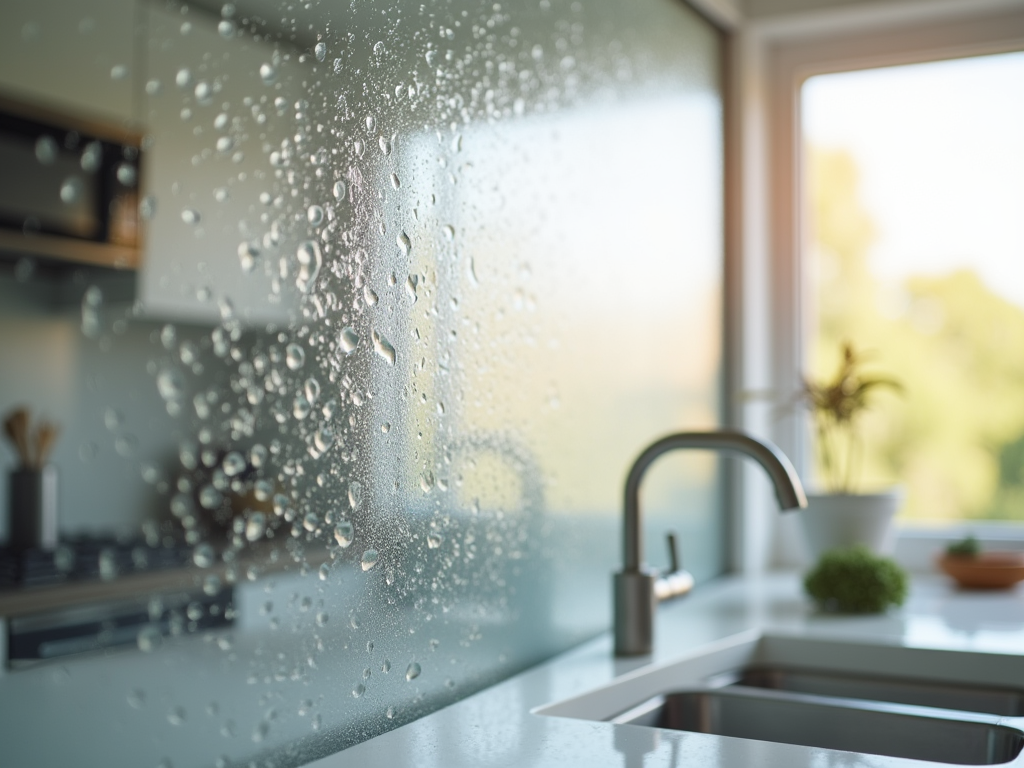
[33, 508]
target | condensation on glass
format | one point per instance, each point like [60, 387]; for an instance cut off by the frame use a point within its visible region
[419, 282]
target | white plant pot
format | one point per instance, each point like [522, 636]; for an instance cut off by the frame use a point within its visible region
[846, 519]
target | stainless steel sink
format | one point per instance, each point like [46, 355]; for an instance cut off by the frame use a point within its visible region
[895, 730]
[970, 698]
[882, 699]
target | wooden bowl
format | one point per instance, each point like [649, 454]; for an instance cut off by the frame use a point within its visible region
[987, 570]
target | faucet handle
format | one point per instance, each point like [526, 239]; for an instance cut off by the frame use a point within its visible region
[673, 552]
[676, 582]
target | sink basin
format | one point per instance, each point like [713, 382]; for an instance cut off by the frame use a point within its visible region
[895, 730]
[968, 698]
[876, 698]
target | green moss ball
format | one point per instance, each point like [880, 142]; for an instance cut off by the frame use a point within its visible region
[853, 580]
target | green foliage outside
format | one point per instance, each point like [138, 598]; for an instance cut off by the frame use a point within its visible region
[854, 580]
[955, 439]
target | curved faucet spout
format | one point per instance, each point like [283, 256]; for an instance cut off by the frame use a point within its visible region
[788, 489]
[634, 585]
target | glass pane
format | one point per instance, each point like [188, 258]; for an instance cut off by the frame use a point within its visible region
[417, 287]
[915, 179]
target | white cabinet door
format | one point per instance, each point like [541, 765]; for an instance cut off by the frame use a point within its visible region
[213, 115]
[73, 56]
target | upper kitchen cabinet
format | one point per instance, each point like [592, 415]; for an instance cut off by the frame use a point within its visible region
[220, 105]
[73, 56]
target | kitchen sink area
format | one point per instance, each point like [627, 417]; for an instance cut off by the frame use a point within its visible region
[829, 722]
[942, 706]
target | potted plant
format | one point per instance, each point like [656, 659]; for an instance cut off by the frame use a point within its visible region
[841, 517]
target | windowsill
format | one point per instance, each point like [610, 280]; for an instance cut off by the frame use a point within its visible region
[918, 543]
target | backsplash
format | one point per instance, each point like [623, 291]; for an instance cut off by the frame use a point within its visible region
[419, 284]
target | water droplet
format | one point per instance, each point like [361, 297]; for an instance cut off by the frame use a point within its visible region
[315, 722]
[203, 555]
[183, 78]
[383, 348]
[410, 287]
[449, 232]
[210, 497]
[176, 716]
[315, 215]
[295, 356]
[339, 190]
[385, 666]
[431, 57]
[385, 427]
[190, 216]
[312, 390]
[118, 72]
[395, 181]
[324, 572]
[137, 699]
[71, 190]
[301, 407]
[170, 383]
[310, 261]
[390, 714]
[371, 123]
[91, 157]
[268, 73]
[404, 244]
[149, 639]
[348, 340]
[378, 48]
[320, 51]
[126, 174]
[355, 494]
[211, 585]
[226, 28]
[46, 150]
[233, 464]
[434, 540]
[147, 207]
[247, 255]
[322, 618]
[203, 92]
[427, 481]
[225, 143]
[369, 559]
[328, 409]
[343, 533]
[385, 148]
[413, 671]
[369, 296]
[310, 521]
[255, 526]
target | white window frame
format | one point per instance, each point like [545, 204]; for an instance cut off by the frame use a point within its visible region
[769, 61]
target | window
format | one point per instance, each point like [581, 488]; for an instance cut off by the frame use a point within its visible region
[914, 183]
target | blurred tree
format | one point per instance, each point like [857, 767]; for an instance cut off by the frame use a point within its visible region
[956, 440]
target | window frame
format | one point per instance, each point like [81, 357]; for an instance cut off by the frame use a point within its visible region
[773, 58]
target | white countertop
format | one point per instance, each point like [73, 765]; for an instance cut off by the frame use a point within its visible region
[496, 728]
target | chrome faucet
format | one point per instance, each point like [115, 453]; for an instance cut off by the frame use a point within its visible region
[636, 588]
